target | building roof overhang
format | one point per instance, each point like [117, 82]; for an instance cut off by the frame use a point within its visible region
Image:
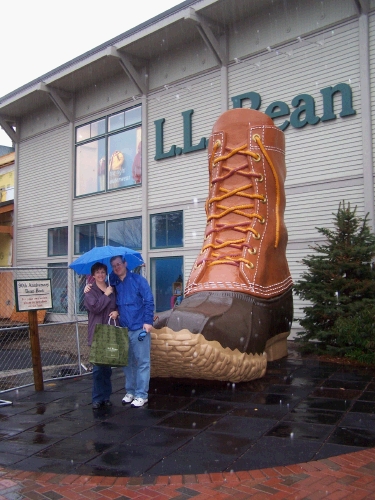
[138, 46]
[134, 50]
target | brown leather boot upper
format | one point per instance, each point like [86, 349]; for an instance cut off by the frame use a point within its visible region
[245, 237]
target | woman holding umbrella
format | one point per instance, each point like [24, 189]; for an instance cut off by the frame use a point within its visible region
[100, 302]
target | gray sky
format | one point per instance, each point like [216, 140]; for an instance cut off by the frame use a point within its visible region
[36, 36]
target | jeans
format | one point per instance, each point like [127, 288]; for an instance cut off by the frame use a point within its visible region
[102, 386]
[137, 373]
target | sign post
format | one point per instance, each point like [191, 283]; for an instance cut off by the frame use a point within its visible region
[33, 295]
[35, 351]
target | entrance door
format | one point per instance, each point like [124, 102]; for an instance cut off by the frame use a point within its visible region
[164, 272]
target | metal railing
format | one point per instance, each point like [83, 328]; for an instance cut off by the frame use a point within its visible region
[62, 329]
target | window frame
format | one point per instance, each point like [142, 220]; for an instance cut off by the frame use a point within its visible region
[120, 220]
[106, 136]
[49, 254]
[87, 224]
[155, 247]
[57, 305]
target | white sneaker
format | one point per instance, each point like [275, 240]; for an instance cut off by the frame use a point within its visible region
[137, 402]
[128, 398]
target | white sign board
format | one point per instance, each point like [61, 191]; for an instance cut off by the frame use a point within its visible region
[33, 294]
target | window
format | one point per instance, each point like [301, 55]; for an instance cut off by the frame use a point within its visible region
[59, 286]
[58, 241]
[90, 167]
[166, 230]
[108, 153]
[165, 271]
[88, 236]
[90, 130]
[125, 232]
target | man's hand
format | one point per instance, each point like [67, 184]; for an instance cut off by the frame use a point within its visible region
[87, 288]
[147, 327]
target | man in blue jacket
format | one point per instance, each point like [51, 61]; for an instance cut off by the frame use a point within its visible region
[135, 305]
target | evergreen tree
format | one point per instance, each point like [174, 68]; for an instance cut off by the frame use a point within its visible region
[340, 287]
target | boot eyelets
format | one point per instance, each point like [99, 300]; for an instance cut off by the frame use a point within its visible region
[252, 251]
[264, 200]
[257, 236]
[256, 136]
[262, 220]
[257, 158]
[250, 265]
[260, 178]
[218, 143]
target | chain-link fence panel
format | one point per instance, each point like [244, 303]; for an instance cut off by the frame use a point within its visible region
[62, 329]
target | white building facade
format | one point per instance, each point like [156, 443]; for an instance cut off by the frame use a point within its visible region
[111, 147]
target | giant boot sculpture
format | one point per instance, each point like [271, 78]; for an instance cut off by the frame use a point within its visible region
[238, 303]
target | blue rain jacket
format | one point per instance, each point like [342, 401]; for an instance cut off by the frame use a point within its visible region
[134, 299]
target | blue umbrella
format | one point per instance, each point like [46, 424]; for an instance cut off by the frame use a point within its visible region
[83, 264]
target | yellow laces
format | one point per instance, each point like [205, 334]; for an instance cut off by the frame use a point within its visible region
[242, 227]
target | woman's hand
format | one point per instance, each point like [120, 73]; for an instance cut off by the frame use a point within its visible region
[108, 291]
[113, 315]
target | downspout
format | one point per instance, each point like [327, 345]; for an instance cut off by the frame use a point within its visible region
[15, 204]
[145, 216]
[365, 92]
[72, 306]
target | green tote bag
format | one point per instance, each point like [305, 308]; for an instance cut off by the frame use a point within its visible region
[110, 345]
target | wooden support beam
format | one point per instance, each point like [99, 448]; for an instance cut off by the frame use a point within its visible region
[7, 208]
[207, 36]
[58, 102]
[8, 129]
[6, 230]
[129, 69]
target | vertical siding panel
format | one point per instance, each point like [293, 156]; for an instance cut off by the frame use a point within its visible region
[183, 180]
[321, 159]
[43, 190]
[43, 179]
[372, 78]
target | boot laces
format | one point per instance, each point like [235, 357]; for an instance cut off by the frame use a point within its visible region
[239, 209]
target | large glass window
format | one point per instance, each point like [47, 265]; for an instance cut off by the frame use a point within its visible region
[108, 153]
[88, 236]
[58, 241]
[166, 230]
[90, 167]
[125, 233]
[124, 153]
[165, 271]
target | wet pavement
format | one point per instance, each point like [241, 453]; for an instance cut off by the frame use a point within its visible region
[303, 410]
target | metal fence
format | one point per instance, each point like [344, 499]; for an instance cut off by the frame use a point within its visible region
[62, 329]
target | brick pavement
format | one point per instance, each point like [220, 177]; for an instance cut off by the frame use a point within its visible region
[350, 476]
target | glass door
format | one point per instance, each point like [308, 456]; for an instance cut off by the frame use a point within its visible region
[165, 271]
